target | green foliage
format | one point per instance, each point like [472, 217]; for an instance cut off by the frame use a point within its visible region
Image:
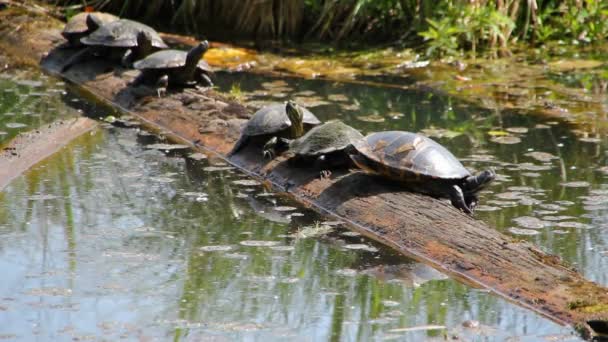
[441, 37]
[448, 27]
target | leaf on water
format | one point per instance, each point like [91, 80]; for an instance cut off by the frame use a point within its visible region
[440, 133]
[371, 118]
[246, 182]
[216, 248]
[361, 247]
[521, 231]
[258, 243]
[419, 328]
[284, 208]
[579, 184]
[338, 98]
[573, 224]
[15, 125]
[283, 248]
[484, 207]
[573, 64]
[347, 272]
[529, 222]
[541, 156]
[506, 140]
[312, 231]
[517, 130]
[496, 133]
[197, 156]
[217, 168]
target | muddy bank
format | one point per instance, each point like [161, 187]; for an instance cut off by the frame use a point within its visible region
[419, 226]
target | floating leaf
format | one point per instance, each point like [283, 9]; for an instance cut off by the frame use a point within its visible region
[498, 133]
[371, 118]
[529, 222]
[507, 140]
[259, 243]
[541, 156]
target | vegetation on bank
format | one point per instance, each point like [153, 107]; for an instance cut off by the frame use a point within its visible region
[440, 28]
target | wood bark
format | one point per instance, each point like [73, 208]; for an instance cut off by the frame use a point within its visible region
[421, 227]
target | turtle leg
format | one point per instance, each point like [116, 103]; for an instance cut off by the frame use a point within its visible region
[161, 85]
[321, 163]
[77, 58]
[269, 148]
[275, 146]
[205, 79]
[127, 59]
[457, 198]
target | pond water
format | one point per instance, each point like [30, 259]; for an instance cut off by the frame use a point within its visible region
[114, 239]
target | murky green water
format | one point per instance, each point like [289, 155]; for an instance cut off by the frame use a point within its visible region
[110, 239]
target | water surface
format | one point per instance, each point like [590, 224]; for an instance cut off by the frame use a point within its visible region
[110, 239]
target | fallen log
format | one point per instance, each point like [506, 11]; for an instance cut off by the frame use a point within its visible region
[418, 226]
[28, 149]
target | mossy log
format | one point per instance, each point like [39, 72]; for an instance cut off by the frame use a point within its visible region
[424, 228]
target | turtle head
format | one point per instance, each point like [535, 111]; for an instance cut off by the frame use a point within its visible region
[295, 113]
[195, 54]
[93, 22]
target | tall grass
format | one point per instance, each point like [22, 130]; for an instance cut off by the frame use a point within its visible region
[444, 27]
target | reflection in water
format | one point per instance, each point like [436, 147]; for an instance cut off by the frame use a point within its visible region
[544, 170]
[111, 240]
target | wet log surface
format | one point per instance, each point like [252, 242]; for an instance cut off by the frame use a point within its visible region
[421, 227]
[29, 148]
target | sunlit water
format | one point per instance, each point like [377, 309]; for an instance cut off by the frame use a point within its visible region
[110, 239]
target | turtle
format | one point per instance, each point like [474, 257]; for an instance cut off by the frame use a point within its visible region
[287, 120]
[422, 165]
[123, 39]
[324, 146]
[77, 28]
[175, 67]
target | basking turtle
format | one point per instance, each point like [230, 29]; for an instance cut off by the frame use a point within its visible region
[422, 165]
[180, 67]
[123, 40]
[77, 28]
[323, 146]
[288, 120]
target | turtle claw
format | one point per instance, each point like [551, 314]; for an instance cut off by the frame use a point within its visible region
[325, 174]
[268, 154]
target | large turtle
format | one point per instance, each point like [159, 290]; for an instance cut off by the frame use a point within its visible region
[77, 28]
[422, 165]
[324, 146]
[178, 67]
[123, 39]
[287, 120]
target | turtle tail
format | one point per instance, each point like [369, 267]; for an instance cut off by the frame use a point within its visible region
[238, 145]
[479, 181]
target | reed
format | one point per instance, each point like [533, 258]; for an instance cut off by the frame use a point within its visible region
[443, 27]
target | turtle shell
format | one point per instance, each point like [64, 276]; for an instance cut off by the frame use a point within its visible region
[273, 119]
[407, 155]
[168, 59]
[77, 25]
[326, 138]
[122, 33]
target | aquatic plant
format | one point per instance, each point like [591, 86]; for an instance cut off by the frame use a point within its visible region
[446, 27]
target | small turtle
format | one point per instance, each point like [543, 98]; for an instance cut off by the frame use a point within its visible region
[289, 120]
[123, 40]
[323, 146]
[175, 67]
[422, 165]
[77, 27]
